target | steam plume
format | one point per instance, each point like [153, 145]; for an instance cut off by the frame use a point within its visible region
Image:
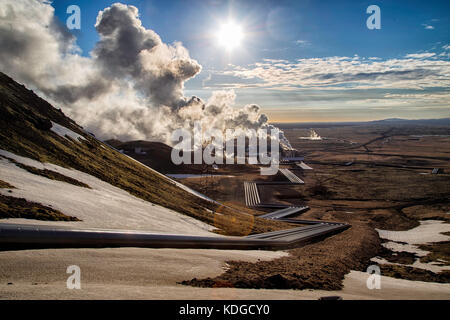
[130, 87]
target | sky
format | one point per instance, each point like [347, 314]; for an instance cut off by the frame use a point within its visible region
[305, 60]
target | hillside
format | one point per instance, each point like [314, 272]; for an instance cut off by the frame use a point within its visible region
[156, 155]
[33, 129]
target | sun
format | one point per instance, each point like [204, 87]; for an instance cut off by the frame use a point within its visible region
[230, 35]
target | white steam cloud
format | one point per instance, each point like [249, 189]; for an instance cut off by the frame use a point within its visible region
[130, 87]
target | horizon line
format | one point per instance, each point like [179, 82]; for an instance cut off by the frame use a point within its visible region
[359, 121]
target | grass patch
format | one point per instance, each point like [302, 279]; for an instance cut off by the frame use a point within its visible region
[12, 207]
[439, 253]
[320, 190]
[402, 257]
[5, 185]
[415, 274]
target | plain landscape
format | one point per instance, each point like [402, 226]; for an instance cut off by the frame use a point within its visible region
[224, 150]
[376, 177]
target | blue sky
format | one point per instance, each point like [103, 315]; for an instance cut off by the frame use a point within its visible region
[284, 65]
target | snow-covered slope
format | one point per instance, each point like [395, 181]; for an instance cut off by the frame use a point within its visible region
[102, 206]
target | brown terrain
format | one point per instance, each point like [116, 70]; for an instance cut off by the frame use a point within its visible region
[370, 176]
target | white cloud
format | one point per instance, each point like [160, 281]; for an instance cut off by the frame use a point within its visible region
[427, 26]
[421, 70]
[302, 42]
[420, 55]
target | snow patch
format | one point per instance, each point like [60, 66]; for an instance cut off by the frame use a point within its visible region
[432, 266]
[65, 132]
[399, 247]
[428, 231]
[178, 184]
[103, 206]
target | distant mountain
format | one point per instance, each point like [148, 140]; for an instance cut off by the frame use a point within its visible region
[308, 125]
[156, 155]
[114, 143]
[390, 120]
[442, 121]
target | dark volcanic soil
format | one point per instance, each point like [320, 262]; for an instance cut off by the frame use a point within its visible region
[320, 265]
[416, 274]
